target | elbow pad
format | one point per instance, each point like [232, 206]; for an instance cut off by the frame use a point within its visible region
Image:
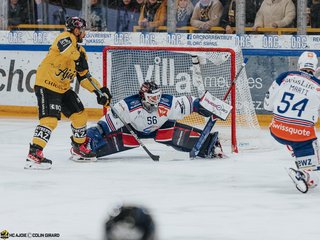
[81, 63]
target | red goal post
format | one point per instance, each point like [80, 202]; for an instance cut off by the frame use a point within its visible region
[126, 67]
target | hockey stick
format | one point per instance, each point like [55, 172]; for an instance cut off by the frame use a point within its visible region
[152, 156]
[212, 120]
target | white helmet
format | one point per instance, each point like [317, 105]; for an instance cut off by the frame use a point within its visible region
[308, 60]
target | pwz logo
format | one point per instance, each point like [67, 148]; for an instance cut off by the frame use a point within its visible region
[163, 73]
[304, 163]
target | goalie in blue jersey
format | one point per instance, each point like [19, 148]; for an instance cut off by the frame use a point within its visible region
[154, 115]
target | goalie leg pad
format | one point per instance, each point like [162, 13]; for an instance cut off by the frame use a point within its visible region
[96, 136]
[183, 137]
[111, 143]
[180, 136]
[166, 132]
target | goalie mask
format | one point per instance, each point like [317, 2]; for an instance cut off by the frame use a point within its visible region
[150, 94]
[130, 223]
[308, 61]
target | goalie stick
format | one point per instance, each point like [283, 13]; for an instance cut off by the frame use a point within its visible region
[212, 120]
[152, 156]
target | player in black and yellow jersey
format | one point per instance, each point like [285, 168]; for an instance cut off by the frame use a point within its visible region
[65, 61]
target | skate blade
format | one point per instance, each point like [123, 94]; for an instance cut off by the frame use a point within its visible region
[77, 158]
[301, 184]
[37, 166]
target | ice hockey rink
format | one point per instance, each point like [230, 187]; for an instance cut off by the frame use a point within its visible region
[247, 196]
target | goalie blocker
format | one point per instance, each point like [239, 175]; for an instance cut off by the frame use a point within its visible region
[177, 135]
[214, 106]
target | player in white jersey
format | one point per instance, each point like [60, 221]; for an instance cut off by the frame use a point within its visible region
[294, 99]
[153, 115]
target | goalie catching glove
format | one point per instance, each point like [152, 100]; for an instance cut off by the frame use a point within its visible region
[210, 105]
[105, 99]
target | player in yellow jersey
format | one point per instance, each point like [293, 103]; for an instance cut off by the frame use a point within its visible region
[65, 61]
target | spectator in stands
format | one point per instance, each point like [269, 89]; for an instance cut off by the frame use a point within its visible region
[228, 19]
[315, 14]
[153, 14]
[17, 13]
[206, 14]
[59, 16]
[123, 15]
[224, 2]
[39, 12]
[127, 16]
[1, 22]
[184, 12]
[1, 18]
[256, 4]
[139, 4]
[275, 14]
[97, 19]
[111, 15]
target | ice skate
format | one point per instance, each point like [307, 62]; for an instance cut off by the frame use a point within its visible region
[214, 148]
[82, 152]
[303, 179]
[35, 159]
[298, 179]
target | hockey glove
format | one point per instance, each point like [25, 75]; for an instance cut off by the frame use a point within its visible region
[210, 105]
[204, 112]
[81, 63]
[200, 109]
[106, 98]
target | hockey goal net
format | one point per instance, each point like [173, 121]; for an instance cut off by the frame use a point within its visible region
[125, 68]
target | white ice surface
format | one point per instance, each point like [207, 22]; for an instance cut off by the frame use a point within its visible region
[245, 197]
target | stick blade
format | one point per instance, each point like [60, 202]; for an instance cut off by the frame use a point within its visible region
[192, 154]
[156, 158]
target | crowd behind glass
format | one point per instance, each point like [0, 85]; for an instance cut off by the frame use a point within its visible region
[152, 15]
